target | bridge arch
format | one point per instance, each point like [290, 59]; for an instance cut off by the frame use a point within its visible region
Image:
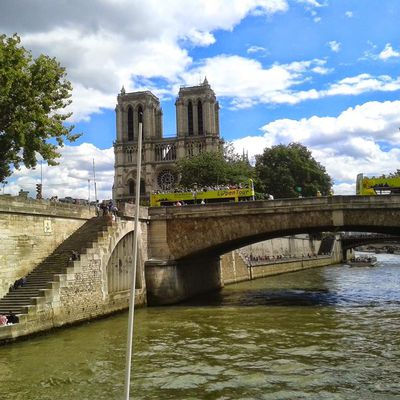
[181, 233]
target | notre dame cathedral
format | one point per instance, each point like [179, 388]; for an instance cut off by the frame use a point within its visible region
[197, 126]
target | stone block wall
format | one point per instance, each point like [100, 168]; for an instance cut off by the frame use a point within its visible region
[82, 292]
[286, 246]
[30, 230]
[234, 267]
[169, 282]
[282, 267]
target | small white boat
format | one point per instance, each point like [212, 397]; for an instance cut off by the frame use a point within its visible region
[362, 261]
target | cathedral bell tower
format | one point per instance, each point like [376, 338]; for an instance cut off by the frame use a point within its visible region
[197, 111]
[128, 109]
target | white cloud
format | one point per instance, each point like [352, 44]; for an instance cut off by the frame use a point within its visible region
[256, 49]
[109, 43]
[70, 177]
[313, 3]
[334, 46]
[361, 84]
[355, 141]
[321, 70]
[245, 82]
[388, 52]
[349, 14]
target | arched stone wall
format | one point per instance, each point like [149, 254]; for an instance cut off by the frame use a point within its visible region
[120, 266]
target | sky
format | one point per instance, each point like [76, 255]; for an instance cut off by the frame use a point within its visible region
[324, 73]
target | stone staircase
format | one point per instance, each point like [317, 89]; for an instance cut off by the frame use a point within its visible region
[45, 275]
[326, 246]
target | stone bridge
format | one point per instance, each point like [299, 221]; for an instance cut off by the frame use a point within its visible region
[353, 241]
[184, 243]
[179, 249]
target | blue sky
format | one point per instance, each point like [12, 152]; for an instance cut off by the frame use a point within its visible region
[321, 72]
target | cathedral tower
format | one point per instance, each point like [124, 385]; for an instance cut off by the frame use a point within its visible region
[197, 111]
[197, 116]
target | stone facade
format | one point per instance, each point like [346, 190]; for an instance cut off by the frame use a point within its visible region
[30, 231]
[197, 124]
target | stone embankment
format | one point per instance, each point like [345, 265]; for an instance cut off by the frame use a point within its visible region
[61, 291]
[237, 267]
[30, 230]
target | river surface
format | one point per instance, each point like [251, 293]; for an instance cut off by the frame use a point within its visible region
[327, 333]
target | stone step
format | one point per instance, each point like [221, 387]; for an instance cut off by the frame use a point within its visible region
[38, 278]
[46, 271]
[15, 310]
[47, 274]
[8, 306]
[12, 295]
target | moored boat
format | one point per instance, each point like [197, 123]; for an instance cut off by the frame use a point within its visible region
[363, 261]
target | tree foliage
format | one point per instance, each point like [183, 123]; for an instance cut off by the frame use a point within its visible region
[391, 174]
[33, 93]
[287, 171]
[214, 168]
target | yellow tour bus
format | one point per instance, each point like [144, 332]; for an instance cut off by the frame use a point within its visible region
[377, 186]
[204, 196]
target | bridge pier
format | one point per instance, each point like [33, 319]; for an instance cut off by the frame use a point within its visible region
[169, 281]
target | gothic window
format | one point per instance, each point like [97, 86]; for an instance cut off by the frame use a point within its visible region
[131, 187]
[140, 119]
[130, 123]
[165, 152]
[129, 155]
[200, 117]
[189, 150]
[142, 186]
[190, 118]
[157, 156]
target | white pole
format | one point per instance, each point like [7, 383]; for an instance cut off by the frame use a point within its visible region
[94, 180]
[131, 316]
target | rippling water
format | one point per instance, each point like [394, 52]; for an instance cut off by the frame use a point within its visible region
[327, 333]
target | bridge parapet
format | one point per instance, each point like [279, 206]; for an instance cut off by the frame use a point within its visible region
[267, 206]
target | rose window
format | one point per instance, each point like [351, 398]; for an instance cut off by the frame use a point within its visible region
[166, 179]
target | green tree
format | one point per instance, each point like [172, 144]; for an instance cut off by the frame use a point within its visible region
[33, 93]
[394, 174]
[214, 168]
[287, 171]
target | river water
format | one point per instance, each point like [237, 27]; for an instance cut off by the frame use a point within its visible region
[328, 333]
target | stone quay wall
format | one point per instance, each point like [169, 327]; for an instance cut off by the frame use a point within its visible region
[83, 292]
[235, 268]
[30, 230]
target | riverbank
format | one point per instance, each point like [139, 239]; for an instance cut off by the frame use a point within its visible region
[237, 267]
